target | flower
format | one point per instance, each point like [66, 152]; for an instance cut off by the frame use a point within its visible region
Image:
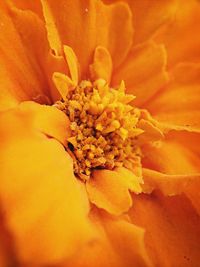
[63, 65]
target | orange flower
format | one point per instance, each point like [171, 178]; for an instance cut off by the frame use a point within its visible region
[91, 176]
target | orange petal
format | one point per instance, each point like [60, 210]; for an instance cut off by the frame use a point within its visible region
[46, 119]
[143, 72]
[118, 244]
[128, 240]
[102, 65]
[7, 254]
[109, 190]
[191, 142]
[89, 24]
[151, 15]
[168, 184]
[179, 103]
[97, 253]
[171, 157]
[172, 226]
[44, 60]
[173, 185]
[151, 132]
[52, 31]
[34, 6]
[148, 16]
[21, 77]
[179, 164]
[181, 36]
[44, 206]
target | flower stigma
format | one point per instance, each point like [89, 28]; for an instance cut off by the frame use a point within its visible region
[103, 127]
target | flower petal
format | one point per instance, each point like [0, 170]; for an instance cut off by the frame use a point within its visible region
[48, 120]
[102, 65]
[20, 78]
[7, 255]
[72, 63]
[179, 103]
[170, 157]
[148, 16]
[191, 141]
[43, 204]
[97, 253]
[143, 72]
[118, 244]
[181, 36]
[43, 60]
[31, 5]
[172, 229]
[128, 240]
[169, 185]
[151, 132]
[63, 84]
[173, 185]
[89, 24]
[109, 190]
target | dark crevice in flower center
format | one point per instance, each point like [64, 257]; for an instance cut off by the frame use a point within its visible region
[103, 127]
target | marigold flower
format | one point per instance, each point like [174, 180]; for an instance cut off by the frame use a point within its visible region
[99, 130]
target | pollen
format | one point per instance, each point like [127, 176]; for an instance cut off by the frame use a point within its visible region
[103, 126]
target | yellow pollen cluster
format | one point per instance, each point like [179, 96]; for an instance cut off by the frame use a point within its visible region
[103, 127]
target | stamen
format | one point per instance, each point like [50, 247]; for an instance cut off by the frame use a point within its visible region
[103, 127]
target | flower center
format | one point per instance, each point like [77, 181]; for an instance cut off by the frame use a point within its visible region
[103, 127]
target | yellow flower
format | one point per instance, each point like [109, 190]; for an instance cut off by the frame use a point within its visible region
[99, 130]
